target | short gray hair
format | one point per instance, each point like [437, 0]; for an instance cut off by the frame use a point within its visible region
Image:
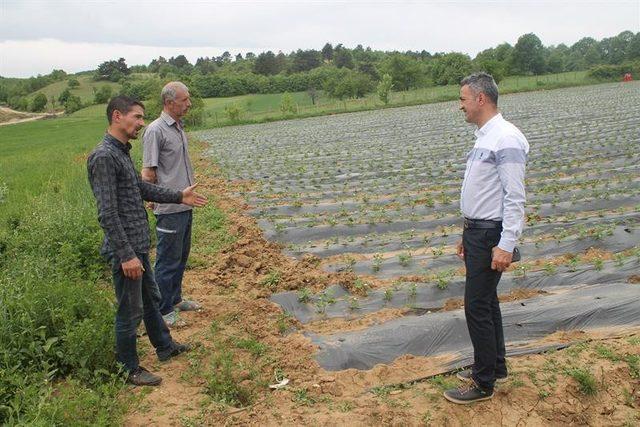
[170, 90]
[482, 82]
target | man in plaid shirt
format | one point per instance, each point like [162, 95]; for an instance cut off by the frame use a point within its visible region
[119, 192]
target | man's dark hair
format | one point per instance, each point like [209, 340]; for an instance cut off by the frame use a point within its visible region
[123, 104]
[482, 82]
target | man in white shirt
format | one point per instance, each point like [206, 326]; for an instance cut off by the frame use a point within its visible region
[492, 202]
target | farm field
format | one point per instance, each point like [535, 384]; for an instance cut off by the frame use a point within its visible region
[288, 287]
[376, 194]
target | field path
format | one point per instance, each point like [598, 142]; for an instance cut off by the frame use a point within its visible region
[12, 117]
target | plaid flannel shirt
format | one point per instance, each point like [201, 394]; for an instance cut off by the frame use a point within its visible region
[119, 192]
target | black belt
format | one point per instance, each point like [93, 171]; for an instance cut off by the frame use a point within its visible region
[481, 223]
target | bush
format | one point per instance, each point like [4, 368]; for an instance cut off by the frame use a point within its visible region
[145, 89]
[102, 95]
[64, 96]
[55, 319]
[233, 112]
[348, 84]
[19, 103]
[39, 103]
[384, 88]
[73, 83]
[615, 72]
[287, 106]
[72, 104]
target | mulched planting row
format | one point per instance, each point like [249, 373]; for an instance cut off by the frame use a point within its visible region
[378, 192]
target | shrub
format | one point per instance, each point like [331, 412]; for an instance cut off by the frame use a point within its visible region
[102, 95]
[56, 320]
[287, 106]
[233, 112]
[73, 83]
[384, 88]
[615, 72]
[39, 103]
[72, 104]
[348, 84]
[19, 103]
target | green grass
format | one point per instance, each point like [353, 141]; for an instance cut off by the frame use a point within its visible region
[56, 301]
[84, 91]
[266, 107]
[586, 381]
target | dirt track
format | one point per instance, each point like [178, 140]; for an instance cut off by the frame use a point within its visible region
[12, 117]
[233, 290]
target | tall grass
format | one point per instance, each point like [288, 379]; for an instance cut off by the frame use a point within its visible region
[56, 312]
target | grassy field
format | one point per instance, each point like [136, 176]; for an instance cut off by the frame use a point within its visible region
[56, 319]
[85, 91]
[56, 312]
[260, 108]
[56, 301]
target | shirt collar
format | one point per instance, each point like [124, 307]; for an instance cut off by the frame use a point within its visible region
[169, 120]
[488, 126]
[110, 139]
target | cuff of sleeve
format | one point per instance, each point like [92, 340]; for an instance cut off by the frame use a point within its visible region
[126, 254]
[179, 197]
[507, 245]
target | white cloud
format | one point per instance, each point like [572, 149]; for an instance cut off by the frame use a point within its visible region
[88, 32]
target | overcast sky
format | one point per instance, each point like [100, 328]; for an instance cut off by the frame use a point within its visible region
[37, 36]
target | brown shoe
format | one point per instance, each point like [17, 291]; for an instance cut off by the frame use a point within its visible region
[141, 376]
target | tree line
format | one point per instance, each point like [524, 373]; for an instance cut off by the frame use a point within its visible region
[342, 72]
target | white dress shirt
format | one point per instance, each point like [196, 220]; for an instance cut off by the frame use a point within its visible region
[493, 186]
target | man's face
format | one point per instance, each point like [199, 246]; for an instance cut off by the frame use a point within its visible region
[180, 106]
[470, 104]
[132, 122]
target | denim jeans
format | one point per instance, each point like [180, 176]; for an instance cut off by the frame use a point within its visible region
[172, 252]
[137, 300]
[482, 308]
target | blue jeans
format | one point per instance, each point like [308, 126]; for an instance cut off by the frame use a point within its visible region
[137, 300]
[172, 252]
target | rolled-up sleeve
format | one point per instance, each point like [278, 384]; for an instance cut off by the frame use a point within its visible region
[102, 177]
[511, 159]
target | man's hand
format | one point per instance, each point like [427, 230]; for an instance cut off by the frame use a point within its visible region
[132, 269]
[460, 250]
[191, 198]
[500, 259]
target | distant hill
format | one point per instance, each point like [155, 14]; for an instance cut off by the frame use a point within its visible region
[85, 91]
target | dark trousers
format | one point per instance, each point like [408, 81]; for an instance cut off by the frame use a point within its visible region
[137, 300]
[481, 306]
[172, 252]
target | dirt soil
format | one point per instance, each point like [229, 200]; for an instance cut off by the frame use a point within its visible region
[10, 117]
[242, 337]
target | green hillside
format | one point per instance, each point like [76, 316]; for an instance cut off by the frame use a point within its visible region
[85, 91]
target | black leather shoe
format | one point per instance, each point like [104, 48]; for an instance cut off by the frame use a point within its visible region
[466, 376]
[176, 349]
[467, 394]
[142, 377]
